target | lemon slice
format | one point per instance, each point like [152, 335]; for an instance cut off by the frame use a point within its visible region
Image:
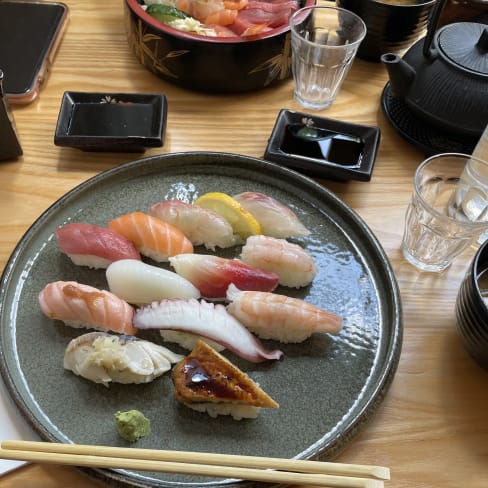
[243, 222]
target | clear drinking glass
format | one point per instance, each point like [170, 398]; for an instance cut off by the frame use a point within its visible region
[324, 43]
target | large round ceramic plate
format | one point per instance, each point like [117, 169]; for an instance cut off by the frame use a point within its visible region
[327, 387]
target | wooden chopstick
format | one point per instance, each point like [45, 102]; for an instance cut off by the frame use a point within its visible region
[275, 470]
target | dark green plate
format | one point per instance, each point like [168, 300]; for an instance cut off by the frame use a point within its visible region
[327, 387]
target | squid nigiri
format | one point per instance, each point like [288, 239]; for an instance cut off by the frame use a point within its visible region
[103, 358]
[199, 224]
[212, 274]
[276, 219]
[293, 265]
[209, 320]
[94, 246]
[79, 305]
[140, 283]
[152, 237]
[278, 317]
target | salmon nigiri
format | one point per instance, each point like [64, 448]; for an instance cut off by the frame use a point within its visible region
[79, 305]
[153, 238]
[279, 317]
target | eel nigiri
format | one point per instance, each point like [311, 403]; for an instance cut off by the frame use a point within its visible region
[94, 246]
[293, 265]
[276, 219]
[212, 275]
[201, 225]
[153, 238]
[278, 317]
[79, 305]
[207, 382]
[103, 358]
[209, 320]
[140, 283]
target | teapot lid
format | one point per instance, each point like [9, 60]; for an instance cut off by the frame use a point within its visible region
[465, 44]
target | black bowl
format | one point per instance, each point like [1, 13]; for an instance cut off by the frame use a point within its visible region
[210, 64]
[472, 308]
[391, 27]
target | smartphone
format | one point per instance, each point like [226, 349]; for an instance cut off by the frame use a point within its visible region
[30, 33]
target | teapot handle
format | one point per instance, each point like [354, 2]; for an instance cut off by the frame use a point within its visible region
[432, 27]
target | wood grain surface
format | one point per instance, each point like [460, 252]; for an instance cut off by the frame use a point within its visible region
[432, 427]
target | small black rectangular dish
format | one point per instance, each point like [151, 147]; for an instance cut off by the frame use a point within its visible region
[323, 148]
[117, 122]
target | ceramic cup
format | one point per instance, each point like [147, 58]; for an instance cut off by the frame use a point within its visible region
[472, 308]
[324, 43]
[437, 229]
[393, 25]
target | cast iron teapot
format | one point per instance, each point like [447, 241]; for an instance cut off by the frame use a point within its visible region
[443, 78]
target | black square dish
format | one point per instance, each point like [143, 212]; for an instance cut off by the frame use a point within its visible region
[323, 148]
[118, 122]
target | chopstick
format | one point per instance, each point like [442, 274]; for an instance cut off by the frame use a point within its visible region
[273, 470]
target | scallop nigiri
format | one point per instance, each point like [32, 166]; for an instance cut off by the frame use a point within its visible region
[105, 358]
[94, 246]
[212, 275]
[208, 320]
[293, 265]
[153, 238]
[141, 283]
[275, 218]
[201, 225]
[79, 305]
[279, 317]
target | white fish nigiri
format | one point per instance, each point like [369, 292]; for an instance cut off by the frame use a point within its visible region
[79, 305]
[139, 283]
[279, 317]
[293, 265]
[104, 358]
[209, 320]
[276, 219]
[201, 225]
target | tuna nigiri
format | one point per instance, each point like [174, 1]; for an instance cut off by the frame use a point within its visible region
[151, 236]
[294, 266]
[278, 317]
[199, 224]
[212, 274]
[94, 246]
[208, 320]
[276, 219]
[79, 305]
[140, 283]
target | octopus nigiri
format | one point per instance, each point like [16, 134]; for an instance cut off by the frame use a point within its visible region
[94, 246]
[279, 317]
[293, 265]
[104, 358]
[276, 219]
[153, 238]
[201, 225]
[79, 305]
[212, 274]
[141, 283]
[209, 320]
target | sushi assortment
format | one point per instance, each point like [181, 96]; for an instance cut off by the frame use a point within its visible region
[179, 302]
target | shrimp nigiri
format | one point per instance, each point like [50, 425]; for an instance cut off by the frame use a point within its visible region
[294, 266]
[154, 238]
[199, 224]
[212, 274]
[276, 219]
[278, 317]
[94, 246]
[79, 305]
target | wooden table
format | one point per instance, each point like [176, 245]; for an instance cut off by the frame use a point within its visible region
[432, 428]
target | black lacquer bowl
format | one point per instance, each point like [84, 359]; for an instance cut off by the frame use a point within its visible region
[472, 308]
[209, 64]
